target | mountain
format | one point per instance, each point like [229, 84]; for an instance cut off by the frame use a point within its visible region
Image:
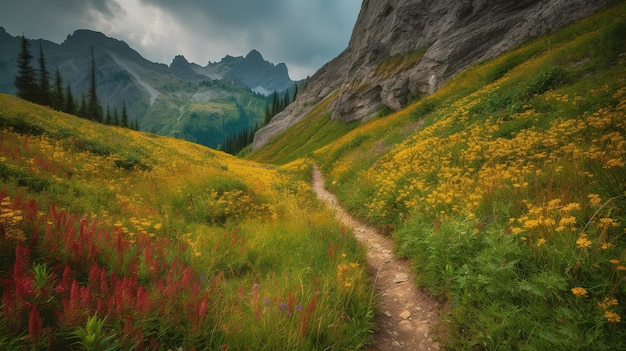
[186, 100]
[251, 71]
[401, 50]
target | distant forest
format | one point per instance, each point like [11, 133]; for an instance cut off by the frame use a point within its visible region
[244, 137]
[34, 85]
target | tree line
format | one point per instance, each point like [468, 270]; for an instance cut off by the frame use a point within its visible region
[244, 137]
[34, 85]
[278, 104]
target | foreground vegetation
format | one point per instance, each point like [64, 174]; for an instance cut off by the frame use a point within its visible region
[507, 189]
[114, 239]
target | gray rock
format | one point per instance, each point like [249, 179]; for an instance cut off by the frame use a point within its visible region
[400, 277]
[451, 34]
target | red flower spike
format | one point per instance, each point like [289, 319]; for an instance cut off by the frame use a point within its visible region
[34, 323]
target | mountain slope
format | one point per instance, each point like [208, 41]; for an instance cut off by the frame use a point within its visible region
[401, 50]
[506, 188]
[133, 241]
[155, 94]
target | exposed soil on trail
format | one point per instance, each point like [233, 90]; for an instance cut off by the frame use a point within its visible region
[407, 314]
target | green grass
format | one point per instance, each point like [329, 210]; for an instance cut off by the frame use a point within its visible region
[203, 250]
[506, 189]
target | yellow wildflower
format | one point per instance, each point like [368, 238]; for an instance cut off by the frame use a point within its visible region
[531, 223]
[594, 200]
[606, 222]
[569, 220]
[571, 207]
[614, 261]
[583, 241]
[578, 291]
[608, 302]
[612, 317]
[540, 242]
[549, 222]
[606, 246]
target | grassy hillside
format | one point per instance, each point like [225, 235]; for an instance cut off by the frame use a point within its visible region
[506, 188]
[114, 239]
[204, 113]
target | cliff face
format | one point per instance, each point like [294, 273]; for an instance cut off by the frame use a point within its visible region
[404, 48]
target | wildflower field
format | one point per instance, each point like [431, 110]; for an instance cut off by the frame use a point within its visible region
[507, 190]
[114, 239]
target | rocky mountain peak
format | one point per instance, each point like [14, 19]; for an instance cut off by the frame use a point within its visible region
[254, 55]
[434, 40]
[179, 60]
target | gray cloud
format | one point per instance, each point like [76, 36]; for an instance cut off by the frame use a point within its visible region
[304, 34]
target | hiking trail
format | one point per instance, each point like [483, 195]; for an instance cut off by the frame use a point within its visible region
[407, 313]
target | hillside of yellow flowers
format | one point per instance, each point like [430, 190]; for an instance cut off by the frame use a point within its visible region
[112, 239]
[507, 190]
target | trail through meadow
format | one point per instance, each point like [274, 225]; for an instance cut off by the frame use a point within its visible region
[407, 314]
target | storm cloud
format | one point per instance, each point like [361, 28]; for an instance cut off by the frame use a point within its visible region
[304, 34]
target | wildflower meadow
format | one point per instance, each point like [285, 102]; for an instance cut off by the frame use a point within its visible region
[112, 239]
[506, 189]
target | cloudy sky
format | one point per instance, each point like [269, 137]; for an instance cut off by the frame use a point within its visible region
[304, 34]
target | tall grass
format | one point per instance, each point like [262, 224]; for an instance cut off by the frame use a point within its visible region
[114, 239]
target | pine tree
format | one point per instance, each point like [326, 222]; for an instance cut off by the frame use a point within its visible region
[275, 104]
[268, 115]
[82, 108]
[116, 118]
[70, 104]
[44, 95]
[94, 109]
[295, 92]
[108, 120]
[58, 102]
[124, 121]
[286, 100]
[25, 81]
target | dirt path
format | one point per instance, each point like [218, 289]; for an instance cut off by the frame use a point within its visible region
[407, 313]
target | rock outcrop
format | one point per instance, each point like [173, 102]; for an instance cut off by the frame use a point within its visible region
[405, 48]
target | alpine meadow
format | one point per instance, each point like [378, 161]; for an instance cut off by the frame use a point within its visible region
[505, 189]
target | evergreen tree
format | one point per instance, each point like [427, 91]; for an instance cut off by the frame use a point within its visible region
[286, 100]
[94, 109]
[295, 92]
[25, 81]
[70, 104]
[116, 118]
[124, 121]
[58, 102]
[275, 104]
[82, 108]
[108, 120]
[268, 115]
[44, 95]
